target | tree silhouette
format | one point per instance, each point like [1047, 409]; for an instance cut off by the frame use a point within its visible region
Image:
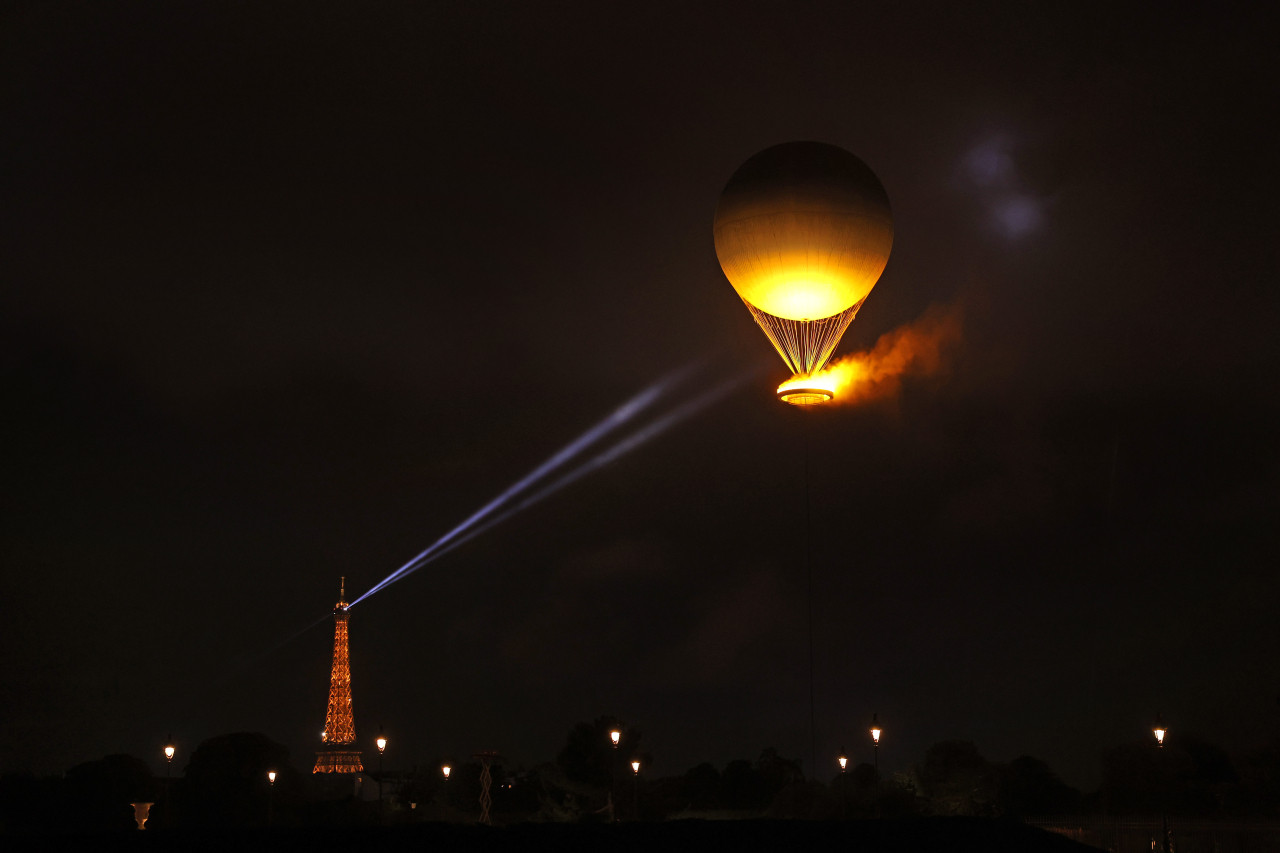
[957, 780]
[226, 781]
[741, 787]
[701, 787]
[589, 757]
[98, 793]
[1187, 776]
[1028, 787]
[1258, 790]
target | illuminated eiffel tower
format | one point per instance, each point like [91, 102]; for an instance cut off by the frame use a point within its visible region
[339, 755]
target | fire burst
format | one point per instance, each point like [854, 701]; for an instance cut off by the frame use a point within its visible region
[915, 349]
[835, 381]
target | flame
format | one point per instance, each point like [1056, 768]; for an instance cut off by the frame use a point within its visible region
[914, 349]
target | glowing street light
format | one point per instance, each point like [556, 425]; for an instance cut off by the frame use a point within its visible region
[842, 760]
[446, 770]
[635, 788]
[875, 740]
[382, 747]
[1166, 840]
[169, 750]
[271, 799]
[615, 737]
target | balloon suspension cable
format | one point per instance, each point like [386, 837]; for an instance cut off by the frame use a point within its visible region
[805, 345]
[808, 561]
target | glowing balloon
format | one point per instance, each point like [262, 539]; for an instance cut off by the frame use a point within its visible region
[803, 231]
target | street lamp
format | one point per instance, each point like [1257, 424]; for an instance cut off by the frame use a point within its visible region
[382, 747]
[875, 740]
[446, 770]
[271, 780]
[842, 760]
[1166, 842]
[615, 737]
[635, 788]
[169, 750]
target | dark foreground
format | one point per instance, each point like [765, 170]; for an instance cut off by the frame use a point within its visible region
[745, 836]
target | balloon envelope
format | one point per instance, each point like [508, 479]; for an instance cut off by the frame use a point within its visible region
[803, 230]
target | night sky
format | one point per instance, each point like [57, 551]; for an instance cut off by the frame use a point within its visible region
[289, 290]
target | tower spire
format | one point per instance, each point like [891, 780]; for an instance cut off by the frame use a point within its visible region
[339, 755]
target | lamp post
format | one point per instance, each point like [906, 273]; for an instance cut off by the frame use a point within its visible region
[169, 750]
[1160, 730]
[635, 788]
[615, 738]
[446, 770]
[382, 747]
[271, 794]
[875, 741]
[842, 760]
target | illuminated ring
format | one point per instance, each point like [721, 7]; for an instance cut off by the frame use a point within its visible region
[821, 395]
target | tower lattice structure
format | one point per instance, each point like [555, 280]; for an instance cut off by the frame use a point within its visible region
[486, 779]
[339, 755]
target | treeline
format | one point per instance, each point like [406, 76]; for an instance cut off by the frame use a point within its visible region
[224, 784]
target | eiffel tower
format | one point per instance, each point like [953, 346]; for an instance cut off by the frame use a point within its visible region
[339, 755]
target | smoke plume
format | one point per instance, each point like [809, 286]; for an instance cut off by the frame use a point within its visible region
[917, 349]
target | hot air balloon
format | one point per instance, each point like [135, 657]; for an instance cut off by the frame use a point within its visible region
[803, 231]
